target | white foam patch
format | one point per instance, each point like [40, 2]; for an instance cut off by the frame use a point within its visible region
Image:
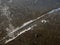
[10, 29]
[5, 12]
[43, 21]
[53, 11]
[14, 30]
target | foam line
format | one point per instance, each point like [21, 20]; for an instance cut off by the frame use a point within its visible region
[20, 33]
